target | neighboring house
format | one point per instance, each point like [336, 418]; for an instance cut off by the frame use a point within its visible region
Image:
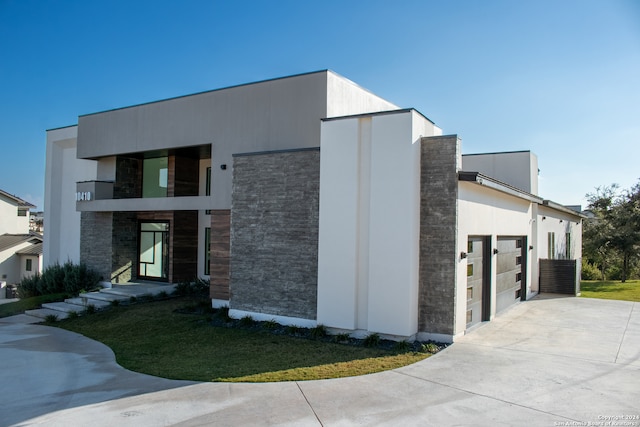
[20, 249]
[20, 256]
[14, 214]
[308, 200]
[36, 222]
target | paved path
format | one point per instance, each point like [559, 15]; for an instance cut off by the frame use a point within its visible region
[547, 362]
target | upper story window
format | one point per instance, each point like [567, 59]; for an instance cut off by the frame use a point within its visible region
[22, 211]
[155, 177]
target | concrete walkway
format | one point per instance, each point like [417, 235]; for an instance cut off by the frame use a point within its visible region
[547, 362]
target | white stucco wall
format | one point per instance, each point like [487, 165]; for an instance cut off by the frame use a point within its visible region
[62, 171]
[36, 265]
[10, 222]
[486, 212]
[10, 267]
[561, 224]
[517, 168]
[368, 255]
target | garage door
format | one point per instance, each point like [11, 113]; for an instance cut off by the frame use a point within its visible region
[476, 273]
[510, 271]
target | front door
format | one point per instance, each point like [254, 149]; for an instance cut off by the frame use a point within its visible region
[153, 257]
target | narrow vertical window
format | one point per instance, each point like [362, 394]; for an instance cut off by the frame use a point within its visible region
[551, 245]
[207, 250]
[207, 189]
[208, 183]
[29, 265]
[567, 251]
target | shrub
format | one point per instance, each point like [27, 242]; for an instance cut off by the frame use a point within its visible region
[429, 348]
[292, 329]
[246, 321]
[372, 340]
[402, 346]
[51, 318]
[270, 324]
[68, 278]
[590, 271]
[90, 309]
[197, 287]
[223, 313]
[72, 315]
[319, 331]
[341, 337]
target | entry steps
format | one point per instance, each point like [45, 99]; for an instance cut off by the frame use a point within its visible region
[105, 297]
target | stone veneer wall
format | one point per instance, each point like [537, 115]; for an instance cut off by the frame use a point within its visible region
[95, 242]
[274, 233]
[438, 234]
[128, 182]
[124, 263]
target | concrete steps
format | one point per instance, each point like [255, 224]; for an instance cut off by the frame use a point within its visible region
[102, 299]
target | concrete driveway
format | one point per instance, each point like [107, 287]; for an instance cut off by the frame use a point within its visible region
[550, 361]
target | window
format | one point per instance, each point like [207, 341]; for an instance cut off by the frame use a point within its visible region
[551, 245]
[567, 250]
[22, 211]
[518, 243]
[207, 251]
[518, 277]
[155, 174]
[469, 294]
[518, 260]
[469, 270]
[207, 189]
[469, 247]
[208, 183]
[29, 265]
[469, 316]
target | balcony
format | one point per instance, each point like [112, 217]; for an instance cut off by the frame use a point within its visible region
[97, 196]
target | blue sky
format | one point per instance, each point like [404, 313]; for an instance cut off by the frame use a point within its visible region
[560, 78]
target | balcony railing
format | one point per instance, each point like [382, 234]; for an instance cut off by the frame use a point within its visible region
[87, 191]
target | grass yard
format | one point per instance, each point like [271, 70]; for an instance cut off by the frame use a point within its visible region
[18, 307]
[628, 291]
[154, 338]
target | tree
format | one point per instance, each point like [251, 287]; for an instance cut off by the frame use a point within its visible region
[612, 236]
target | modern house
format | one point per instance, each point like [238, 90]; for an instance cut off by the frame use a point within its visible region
[20, 248]
[308, 200]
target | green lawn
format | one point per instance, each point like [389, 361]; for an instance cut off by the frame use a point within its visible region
[18, 307]
[628, 291]
[155, 339]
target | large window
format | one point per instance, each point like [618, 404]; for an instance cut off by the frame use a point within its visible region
[155, 177]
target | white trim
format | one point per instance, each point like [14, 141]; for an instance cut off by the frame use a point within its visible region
[219, 303]
[282, 320]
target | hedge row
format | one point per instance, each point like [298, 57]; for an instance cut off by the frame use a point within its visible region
[68, 278]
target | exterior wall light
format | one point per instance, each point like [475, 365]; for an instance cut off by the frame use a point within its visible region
[495, 251]
[544, 217]
[463, 255]
[560, 220]
[530, 247]
[223, 167]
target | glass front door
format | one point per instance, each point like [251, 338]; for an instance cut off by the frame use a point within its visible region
[153, 259]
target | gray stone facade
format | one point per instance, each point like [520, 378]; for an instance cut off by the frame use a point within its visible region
[95, 244]
[438, 234]
[274, 233]
[125, 247]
